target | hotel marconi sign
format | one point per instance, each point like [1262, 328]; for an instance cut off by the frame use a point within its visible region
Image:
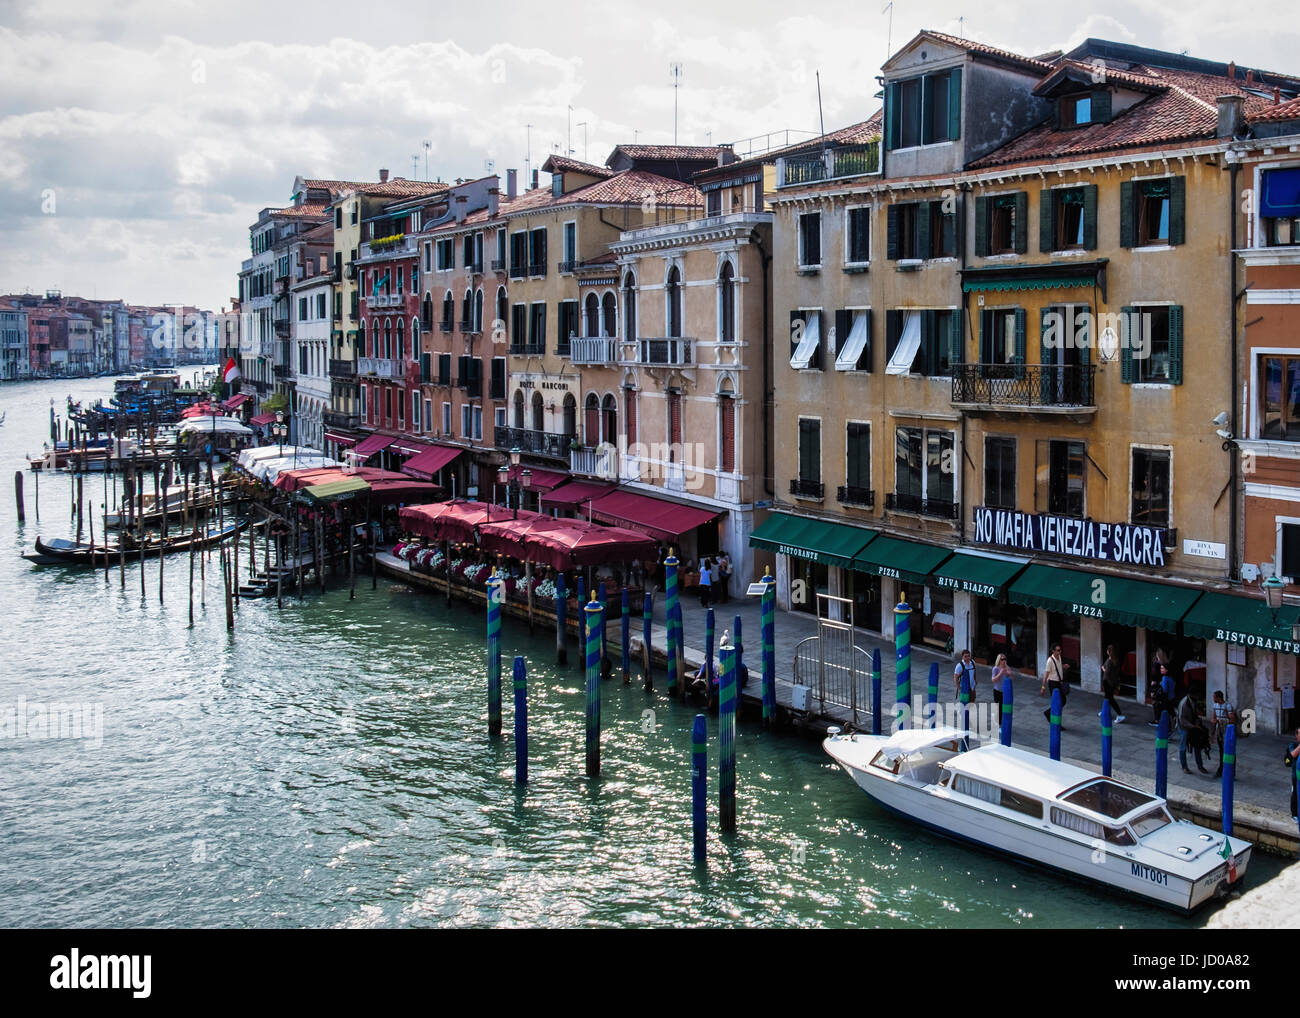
[1120, 543]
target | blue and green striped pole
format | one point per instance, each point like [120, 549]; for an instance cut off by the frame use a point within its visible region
[604, 624]
[699, 785]
[932, 694]
[582, 615]
[875, 691]
[1107, 729]
[675, 678]
[708, 651]
[521, 721]
[627, 638]
[902, 664]
[561, 623]
[1162, 756]
[727, 742]
[680, 647]
[739, 644]
[673, 684]
[1054, 720]
[768, 606]
[593, 689]
[963, 694]
[1229, 774]
[495, 595]
[1008, 709]
[647, 620]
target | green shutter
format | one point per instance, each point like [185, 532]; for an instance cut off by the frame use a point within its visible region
[1020, 342]
[927, 120]
[1090, 215]
[1046, 356]
[1177, 210]
[1176, 343]
[891, 232]
[982, 227]
[1020, 240]
[955, 338]
[1126, 221]
[1127, 374]
[1101, 106]
[891, 115]
[954, 104]
[923, 230]
[1046, 220]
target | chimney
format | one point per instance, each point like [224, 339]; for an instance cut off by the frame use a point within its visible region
[1250, 76]
[512, 183]
[383, 176]
[461, 202]
[1232, 70]
[1230, 111]
[534, 180]
[1277, 95]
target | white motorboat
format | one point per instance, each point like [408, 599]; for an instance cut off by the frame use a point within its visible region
[1047, 813]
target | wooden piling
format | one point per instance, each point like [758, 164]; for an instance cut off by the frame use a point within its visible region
[561, 603]
[699, 787]
[79, 507]
[194, 535]
[521, 721]
[36, 494]
[626, 638]
[727, 741]
[647, 620]
[18, 496]
[593, 613]
[496, 587]
[225, 571]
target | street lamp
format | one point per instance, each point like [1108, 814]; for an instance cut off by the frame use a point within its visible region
[510, 477]
[1273, 588]
[279, 430]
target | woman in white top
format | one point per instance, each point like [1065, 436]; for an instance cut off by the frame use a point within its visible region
[706, 583]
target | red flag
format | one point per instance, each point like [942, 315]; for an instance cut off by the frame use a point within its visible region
[231, 372]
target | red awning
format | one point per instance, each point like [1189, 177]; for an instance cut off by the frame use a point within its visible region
[454, 521]
[571, 495]
[564, 544]
[427, 463]
[235, 401]
[262, 419]
[663, 520]
[369, 446]
[385, 485]
[409, 446]
[200, 410]
[540, 479]
[329, 435]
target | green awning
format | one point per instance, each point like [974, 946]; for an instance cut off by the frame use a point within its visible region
[1027, 283]
[335, 491]
[977, 574]
[903, 560]
[1128, 602]
[1242, 620]
[835, 544]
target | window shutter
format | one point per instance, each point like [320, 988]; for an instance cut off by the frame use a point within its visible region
[1127, 374]
[893, 329]
[1101, 106]
[927, 118]
[1020, 342]
[1046, 220]
[1126, 219]
[1176, 343]
[630, 401]
[954, 104]
[591, 423]
[842, 323]
[426, 360]
[1090, 215]
[675, 418]
[1021, 239]
[816, 361]
[498, 378]
[891, 232]
[891, 117]
[728, 434]
[1177, 210]
[982, 227]
[795, 316]
[1046, 356]
[956, 332]
[923, 230]
[867, 359]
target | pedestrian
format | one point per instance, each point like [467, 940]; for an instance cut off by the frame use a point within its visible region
[706, 583]
[1001, 671]
[1292, 753]
[1160, 698]
[1054, 678]
[1194, 735]
[1110, 678]
[967, 667]
[724, 574]
[1225, 714]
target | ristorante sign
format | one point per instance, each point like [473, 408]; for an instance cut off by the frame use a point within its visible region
[1122, 543]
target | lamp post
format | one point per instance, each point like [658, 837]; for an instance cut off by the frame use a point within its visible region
[279, 430]
[510, 477]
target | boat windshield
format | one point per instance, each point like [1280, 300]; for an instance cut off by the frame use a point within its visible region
[1151, 821]
[1107, 798]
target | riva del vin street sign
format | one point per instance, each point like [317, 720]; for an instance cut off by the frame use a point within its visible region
[1123, 543]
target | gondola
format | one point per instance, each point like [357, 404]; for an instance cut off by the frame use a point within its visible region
[69, 553]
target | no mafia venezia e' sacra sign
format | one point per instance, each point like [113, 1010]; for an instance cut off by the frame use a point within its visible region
[1123, 543]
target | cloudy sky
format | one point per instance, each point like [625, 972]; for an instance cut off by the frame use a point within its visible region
[140, 138]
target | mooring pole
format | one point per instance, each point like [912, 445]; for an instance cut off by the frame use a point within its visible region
[767, 606]
[193, 536]
[18, 496]
[1107, 727]
[709, 630]
[593, 689]
[1008, 708]
[495, 593]
[561, 603]
[1162, 755]
[647, 620]
[676, 680]
[521, 721]
[626, 641]
[1229, 767]
[79, 507]
[1054, 725]
[699, 787]
[932, 695]
[727, 742]
[902, 664]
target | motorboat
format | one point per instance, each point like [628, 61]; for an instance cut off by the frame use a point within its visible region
[1043, 812]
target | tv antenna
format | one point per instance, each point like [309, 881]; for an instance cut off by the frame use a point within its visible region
[583, 125]
[528, 159]
[568, 141]
[961, 27]
[415, 166]
[675, 69]
[889, 35]
[427, 145]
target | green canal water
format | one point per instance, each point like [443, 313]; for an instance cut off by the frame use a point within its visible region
[328, 765]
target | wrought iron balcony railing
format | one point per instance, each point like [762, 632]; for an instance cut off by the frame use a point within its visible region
[1023, 386]
[543, 443]
[342, 369]
[938, 508]
[849, 494]
[807, 489]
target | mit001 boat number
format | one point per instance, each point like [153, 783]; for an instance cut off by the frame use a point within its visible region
[1086, 609]
[1154, 875]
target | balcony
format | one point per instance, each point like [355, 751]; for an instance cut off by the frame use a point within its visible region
[281, 370]
[595, 462]
[592, 350]
[829, 164]
[670, 350]
[498, 265]
[800, 488]
[379, 367]
[518, 271]
[937, 508]
[281, 324]
[1024, 388]
[350, 270]
[445, 326]
[567, 266]
[468, 327]
[385, 300]
[543, 443]
[526, 349]
[474, 268]
[537, 269]
[848, 494]
[343, 369]
[397, 244]
[334, 419]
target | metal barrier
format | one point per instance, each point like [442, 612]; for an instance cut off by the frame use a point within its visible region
[832, 665]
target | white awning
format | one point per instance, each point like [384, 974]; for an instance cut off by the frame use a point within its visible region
[807, 347]
[214, 425]
[908, 343]
[847, 360]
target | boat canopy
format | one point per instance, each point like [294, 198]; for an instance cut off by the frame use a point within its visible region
[913, 740]
[1020, 771]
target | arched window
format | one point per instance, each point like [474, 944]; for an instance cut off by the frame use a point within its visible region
[466, 311]
[629, 409]
[673, 295]
[361, 339]
[591, 419]
[609, 419]
[727, 303]
[629, 306]
[426, 310]
[570, 415]
[401, 345]
[609, 312]
[539, 413]
[593, 315]
[478, 310]
[448, 311]
[388, 338]
[503, 309]
[726, 432]
[519, 409]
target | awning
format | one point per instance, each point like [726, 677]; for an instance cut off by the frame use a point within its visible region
[563, 544]
[336, 491]
[1280, 193]
[835, 544]
[574, 493]
[1054, 275]
[331, 436]
[851, 351]
[217, 425]
[900, 363]
[1243, 620]
[809, 344]
[1114, 598]
[909, 561]
[262, 419]
[427, 463]
[977, 574]
[369, 446]
[664, 521]
[408, 446]
[235, 401]
[539, 479]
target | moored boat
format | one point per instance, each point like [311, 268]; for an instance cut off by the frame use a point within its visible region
[1043, 812]
[59, 551]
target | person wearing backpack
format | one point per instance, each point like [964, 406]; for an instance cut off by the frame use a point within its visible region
[1054, 678]
[1194, 734]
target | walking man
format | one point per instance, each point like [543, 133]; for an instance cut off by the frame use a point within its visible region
[1192, 732]
[1110, 677]
[1054, 678]
[1225, 714]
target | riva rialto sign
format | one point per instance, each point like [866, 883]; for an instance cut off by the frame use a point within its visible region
[1124, 543]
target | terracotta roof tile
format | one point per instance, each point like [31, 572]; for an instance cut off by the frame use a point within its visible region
[971, 46]
[853, 134]
[1277, 111]
[628, 187]
[667, 152]
[564, 164]
[306, 210]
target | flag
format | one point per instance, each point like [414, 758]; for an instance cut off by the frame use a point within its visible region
[1232, 863]
[231, 371]
[374, 292]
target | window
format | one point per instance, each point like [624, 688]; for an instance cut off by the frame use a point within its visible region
[810, 458]
[1108, 798]
[568, 320]
[1152, 212]
[446, 418]
[853, 340]
[857, 241]
[302, 309]
[713, 203]
[519, 409]
[1060, 485]
[518, 254]
[401, 278]
[673, 302]
[593, 315]
[920, 230]
[1068, 219]
[501, 248]
[857, 460]
[444, 369]
[518, 327]
[629, 414]
[727, 304]
[727, 433]
[1279, 206]
[415, 412]
[539, 412]
[569, 409]
[1150, 487]
[1000, 472]
[609, 314]
[1000, 222]
[499, 417]
[363, 402]
[446, 254]
[1289, 546]
[674, 420]
[1002, 342]
[591, 420]
[1154, 348]
[1279, 398]
[466, 421]
[924, 110]
[498, 380]
[937, 338]
[570, 245]
[805, 340]
[478, 424]
[810, 239]
[388, 404]
[537, 252]
[924, 470]
[629, 307]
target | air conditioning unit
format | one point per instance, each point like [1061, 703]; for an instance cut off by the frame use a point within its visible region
[799, 698]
